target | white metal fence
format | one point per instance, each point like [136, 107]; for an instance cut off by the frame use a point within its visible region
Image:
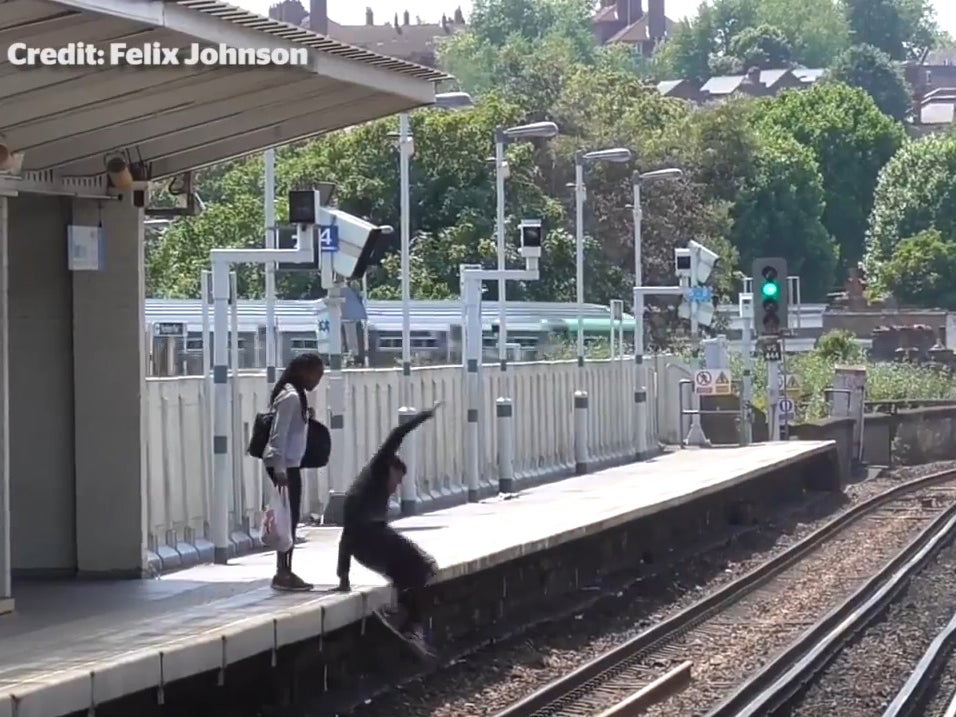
[179, 445]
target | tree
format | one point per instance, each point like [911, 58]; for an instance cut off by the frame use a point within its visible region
[817, 33]
[851, 140]
[900, 28]
[872, 70]
[916, 192]
[449, 176]
[778, 212]
[703, 45]
[922, 271]
[764, 47]
[522, 43]
[687, 52]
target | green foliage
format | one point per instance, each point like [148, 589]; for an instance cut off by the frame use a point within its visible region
[872, 70]
[839, 347]
[733, 35]
[916, 192]
[764, 47]
[900, 28]
[922, 271]
[815, 370]
[851, 140]
[778, 212]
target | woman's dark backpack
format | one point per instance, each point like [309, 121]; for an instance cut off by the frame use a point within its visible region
[318, 446]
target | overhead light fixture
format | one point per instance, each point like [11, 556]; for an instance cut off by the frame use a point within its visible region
[117, 169]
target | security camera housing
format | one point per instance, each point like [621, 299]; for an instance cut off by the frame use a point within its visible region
[361, 243]
[704, 260]
[746, 306]
[304, 205]
[532, 237]
[682, 263]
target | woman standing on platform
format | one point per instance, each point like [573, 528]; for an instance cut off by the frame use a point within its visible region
[286, 447]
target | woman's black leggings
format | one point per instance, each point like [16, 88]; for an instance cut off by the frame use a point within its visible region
[294, 476]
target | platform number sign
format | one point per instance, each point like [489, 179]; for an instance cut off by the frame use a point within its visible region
[329, 238]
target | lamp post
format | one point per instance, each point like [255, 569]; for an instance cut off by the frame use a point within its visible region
[640, 384]
[502, 137]
[406, 148]
[581, 159]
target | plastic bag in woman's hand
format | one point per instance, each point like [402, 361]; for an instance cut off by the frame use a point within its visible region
[276, 528]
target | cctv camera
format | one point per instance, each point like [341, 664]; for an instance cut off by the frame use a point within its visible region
[682, 262]
[304, 206]
[704, 261]
[746, 302]
[532, 236]
[361, 243]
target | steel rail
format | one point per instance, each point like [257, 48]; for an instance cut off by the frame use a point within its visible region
[787, 674]
[910, 697]
[602, 669]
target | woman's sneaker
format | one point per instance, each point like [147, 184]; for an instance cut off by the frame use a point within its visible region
[290, 582]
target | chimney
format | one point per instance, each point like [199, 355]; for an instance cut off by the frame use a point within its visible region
[406, 19]
[753, 74]
[630, 11]
[656, 20]
[459, 16]
[319, 16]
[369, 17]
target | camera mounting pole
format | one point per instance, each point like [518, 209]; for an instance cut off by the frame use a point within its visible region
[304, 210]
[472, 277]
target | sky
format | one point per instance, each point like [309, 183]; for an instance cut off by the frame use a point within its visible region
[352, 12]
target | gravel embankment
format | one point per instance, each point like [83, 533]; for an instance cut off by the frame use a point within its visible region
[490, 679]
[867, 675]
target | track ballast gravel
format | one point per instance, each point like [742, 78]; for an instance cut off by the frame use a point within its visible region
[494, 677]
[866, 675]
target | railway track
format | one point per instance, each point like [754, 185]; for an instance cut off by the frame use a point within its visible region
[647, 671]
[773, 689]
[916, 695]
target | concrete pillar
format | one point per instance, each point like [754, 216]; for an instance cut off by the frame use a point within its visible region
[40, 331]
[109, 367]
[6, 588]
[580, 432]
[410, 456]
[504, 409]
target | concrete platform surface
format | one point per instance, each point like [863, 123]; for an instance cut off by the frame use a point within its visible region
[72, 642]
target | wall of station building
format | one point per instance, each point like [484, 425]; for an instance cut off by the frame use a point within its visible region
[40, 315]
[75, 420]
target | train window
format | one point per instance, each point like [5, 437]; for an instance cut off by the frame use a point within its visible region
[304, 344]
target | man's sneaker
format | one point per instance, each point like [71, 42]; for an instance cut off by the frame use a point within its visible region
[416, 640]
[290, 582]
[393, 618]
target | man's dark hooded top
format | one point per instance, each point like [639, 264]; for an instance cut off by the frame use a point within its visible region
[367, 498]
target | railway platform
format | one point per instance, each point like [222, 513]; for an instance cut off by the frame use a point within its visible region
[73, 646]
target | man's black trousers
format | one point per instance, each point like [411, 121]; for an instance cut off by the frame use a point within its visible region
[380, 548]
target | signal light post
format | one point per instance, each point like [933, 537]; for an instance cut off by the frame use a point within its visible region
[771, 303]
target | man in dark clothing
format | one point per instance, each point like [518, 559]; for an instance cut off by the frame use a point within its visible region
[367, 536]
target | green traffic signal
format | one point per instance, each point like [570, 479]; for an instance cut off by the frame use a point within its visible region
[770, 290]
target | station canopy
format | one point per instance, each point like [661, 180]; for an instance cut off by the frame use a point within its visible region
[67, 121]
